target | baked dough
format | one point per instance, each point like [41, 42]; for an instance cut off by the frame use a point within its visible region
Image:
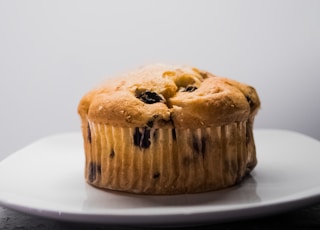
[187, 97]
[164, 129]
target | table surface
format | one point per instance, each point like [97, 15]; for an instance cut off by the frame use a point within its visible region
[305, 218]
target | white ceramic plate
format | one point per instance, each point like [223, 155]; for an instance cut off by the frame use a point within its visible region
[46, 179]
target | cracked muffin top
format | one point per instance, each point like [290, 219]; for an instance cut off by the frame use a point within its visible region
[169, 96]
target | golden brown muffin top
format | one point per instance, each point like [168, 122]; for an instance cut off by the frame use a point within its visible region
[167, 96]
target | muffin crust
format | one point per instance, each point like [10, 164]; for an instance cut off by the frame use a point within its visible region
[169, 96]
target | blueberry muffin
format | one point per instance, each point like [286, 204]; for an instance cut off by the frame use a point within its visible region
[167, 129]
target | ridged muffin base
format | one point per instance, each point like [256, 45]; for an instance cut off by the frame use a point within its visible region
[167, 161]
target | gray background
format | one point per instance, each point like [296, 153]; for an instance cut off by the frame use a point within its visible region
[52, 52]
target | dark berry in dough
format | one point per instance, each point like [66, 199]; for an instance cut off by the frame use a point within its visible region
[190, 88]
[89, 134]
[94, 169]
[156, 175]
[174, 135]
[112, 153]
[149, 97]
[199, 145]
[150, 123]
[141, 137]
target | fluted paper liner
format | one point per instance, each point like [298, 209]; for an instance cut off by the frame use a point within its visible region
[168, 161]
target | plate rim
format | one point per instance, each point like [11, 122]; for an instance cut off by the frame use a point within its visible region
[176, 219]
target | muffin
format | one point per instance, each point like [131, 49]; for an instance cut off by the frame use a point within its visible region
[168, 129]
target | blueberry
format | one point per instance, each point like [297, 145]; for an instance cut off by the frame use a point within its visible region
[195, 145]
[89, 134]
[199, 145]
[94, 169]
[150, 123]
[149, 97]
[190, 88]
[137, 137]
[155, 134]
[249, 99]
[112, 153]
[156, 175]
[141, 137]
[174, 135]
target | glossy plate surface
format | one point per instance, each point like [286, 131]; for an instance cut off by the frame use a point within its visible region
[46, 179]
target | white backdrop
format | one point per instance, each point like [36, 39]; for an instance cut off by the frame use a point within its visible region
[52, 52]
